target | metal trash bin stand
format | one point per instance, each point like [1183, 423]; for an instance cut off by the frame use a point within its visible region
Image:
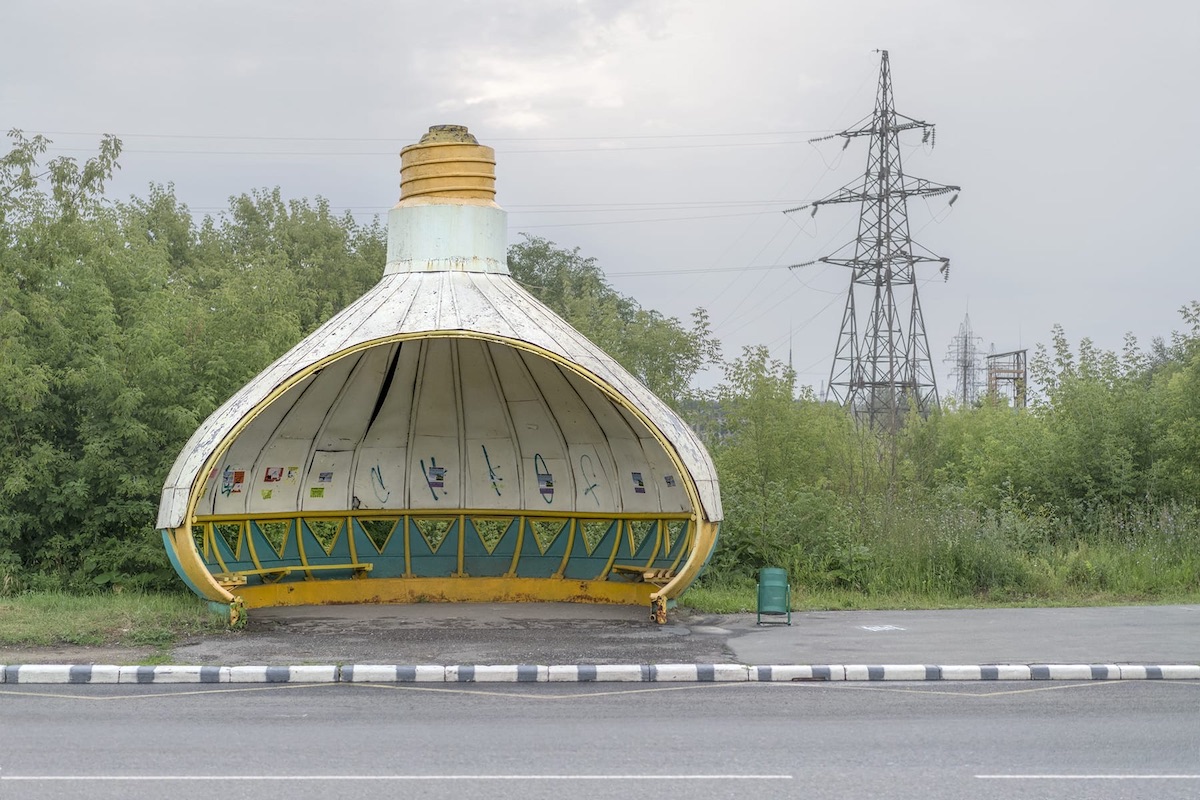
[774, 594]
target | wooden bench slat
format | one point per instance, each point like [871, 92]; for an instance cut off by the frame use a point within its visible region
[659, 576]
[279, 572]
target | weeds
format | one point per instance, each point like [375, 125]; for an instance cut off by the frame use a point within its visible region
[125, 619]
[923, 554]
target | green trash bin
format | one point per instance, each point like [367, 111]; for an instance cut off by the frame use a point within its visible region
[774, 594]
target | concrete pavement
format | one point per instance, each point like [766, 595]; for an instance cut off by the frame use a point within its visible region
[1122, 635]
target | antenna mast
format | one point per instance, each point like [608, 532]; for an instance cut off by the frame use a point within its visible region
[887, 368]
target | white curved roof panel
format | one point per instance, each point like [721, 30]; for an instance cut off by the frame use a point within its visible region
[486, 305]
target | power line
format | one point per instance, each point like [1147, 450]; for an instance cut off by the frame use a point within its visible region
[378, 210]
[640, 221]
[392, 153]
[637, 206]
[568, 208]
[698, 271]
[772, 307]
[402, 141]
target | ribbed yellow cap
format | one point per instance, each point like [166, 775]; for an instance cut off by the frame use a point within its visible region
[448, 162]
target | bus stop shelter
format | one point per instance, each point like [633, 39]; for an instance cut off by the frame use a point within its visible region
[446, 437]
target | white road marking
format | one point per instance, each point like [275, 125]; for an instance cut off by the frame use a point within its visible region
[519, 695]
[268, 687]
[1089, 777]
[966, 691]
[228, 778]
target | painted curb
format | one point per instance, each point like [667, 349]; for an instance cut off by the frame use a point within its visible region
[585, 673]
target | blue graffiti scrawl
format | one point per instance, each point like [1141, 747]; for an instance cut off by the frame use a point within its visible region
[435, 477]
[382, 493]
[544, 477]
[589, 473]
[493, 472]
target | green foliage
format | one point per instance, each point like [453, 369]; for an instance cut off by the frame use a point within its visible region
[122, 326]
[774, 468]
[130, 619]
[661, 351]
[1091, 490]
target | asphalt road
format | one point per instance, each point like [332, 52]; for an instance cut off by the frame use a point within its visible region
[1096, 740]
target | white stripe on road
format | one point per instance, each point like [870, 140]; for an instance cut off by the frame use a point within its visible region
[1089, 777]
[85, 778]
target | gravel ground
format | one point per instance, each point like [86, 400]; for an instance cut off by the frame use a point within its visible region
[476, 633]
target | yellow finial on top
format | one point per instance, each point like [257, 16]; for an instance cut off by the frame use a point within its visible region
[447, 164]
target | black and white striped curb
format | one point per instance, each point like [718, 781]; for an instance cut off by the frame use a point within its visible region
[531, 673]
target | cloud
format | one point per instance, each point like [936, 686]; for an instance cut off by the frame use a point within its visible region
[532, 67]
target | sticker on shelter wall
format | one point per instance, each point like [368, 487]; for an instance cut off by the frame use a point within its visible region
[435, 477]
[316, 491]
[325, 477]
[292, 474]
[669, 480]
[544, 478]
[266, 493]
[273, 475]
[232, 481]
[639, 485]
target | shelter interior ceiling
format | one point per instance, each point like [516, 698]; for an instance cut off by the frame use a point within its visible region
[444, 423]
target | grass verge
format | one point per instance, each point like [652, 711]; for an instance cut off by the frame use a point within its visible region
[734, 597]
[43, 619]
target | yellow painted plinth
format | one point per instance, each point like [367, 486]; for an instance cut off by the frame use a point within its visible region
[446, 590]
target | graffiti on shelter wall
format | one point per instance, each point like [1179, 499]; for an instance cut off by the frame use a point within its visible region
[382, 493]
[435, 477]
[493, 472]
[589, 474]
[544, 477]
[232, 480]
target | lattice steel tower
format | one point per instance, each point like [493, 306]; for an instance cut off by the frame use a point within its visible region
[963, 358]
[882, 371]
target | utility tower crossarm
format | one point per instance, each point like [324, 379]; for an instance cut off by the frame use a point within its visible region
[869, 127]
[907, 187]
[879, 262]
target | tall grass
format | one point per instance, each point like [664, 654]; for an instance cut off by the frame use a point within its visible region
[127, 619]
[932, 552]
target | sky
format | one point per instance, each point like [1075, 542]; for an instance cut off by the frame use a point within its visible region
[665, 139]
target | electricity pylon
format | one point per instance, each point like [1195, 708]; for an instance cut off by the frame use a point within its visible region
[887, 369]
[963, 358]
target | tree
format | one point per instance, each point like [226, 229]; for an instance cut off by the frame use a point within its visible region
[660, 351]
[1098, 417]
[1175, 473]
[124, 325]
[775, 462]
